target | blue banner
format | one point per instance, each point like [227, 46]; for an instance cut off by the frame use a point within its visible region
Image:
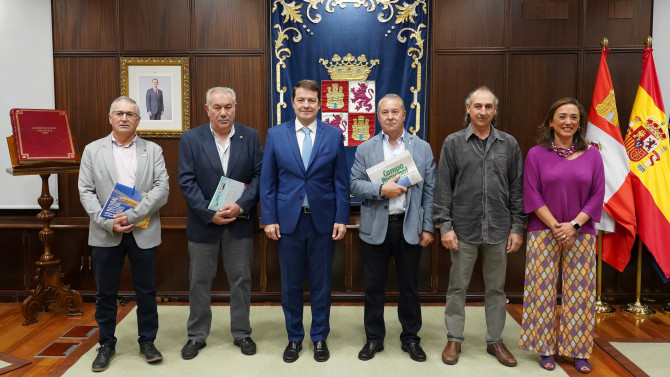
[359, 51]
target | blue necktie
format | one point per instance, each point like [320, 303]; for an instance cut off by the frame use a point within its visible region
[306, 152]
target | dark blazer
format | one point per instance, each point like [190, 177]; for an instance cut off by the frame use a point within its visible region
[200, 171]
[284, 179]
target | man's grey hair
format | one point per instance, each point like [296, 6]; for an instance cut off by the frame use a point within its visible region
[392, 96]
[220, 89]
[468, 101]
[124, 99]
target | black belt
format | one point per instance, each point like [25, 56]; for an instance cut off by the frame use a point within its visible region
[305, 210]
[397, 217]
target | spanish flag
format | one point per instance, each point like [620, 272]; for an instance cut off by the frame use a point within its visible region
[618, 219]
[647, 147]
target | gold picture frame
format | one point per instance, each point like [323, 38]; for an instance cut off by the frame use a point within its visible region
[166, 78]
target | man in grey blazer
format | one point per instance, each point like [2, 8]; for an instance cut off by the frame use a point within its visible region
[122, 157]
[395, 222]
[207, 152]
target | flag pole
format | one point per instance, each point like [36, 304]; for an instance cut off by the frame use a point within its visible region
[601, 306]
[637, 307]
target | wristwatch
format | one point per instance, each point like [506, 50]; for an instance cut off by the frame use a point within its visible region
[575, 225]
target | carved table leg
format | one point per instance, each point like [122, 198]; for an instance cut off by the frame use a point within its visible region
[50, 287]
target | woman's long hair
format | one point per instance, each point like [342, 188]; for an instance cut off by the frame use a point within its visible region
[546, 134]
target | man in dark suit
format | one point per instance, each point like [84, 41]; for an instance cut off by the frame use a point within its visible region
[305, 206]
[154, 98]
[219, 148]
[395, 222]
[122, 157]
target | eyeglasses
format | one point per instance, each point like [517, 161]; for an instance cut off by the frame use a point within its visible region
[129, 114]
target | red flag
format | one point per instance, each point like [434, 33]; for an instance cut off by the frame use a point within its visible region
[647, 146]
[603, 131]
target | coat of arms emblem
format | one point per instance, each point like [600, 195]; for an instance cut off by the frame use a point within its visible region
[645, 140]
[349, 98]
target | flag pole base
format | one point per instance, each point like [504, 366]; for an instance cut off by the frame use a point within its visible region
[638, 308]
[603, 307]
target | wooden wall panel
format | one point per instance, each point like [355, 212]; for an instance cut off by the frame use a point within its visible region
[154, 25]
[237, 72]
[624, 23]
[84, 25]
[554, 76]
[15, 253]
[453, 77]
[229, 24]
[545, 23]
[529, 52]
[467, 24]
[85, 86]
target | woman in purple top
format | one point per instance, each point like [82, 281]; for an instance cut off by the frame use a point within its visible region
[563, 191]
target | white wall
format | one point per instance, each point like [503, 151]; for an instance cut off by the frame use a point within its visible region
[661, 46]
[26, 81]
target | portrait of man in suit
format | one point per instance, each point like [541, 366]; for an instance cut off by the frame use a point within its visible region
[395, 223]
[219, 148]
[123, 157]
[154, 98]
[305, 207]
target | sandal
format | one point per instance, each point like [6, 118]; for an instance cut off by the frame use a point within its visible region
[582, 366]
[547, 362]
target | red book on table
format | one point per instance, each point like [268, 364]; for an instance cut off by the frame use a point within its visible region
[42, 136]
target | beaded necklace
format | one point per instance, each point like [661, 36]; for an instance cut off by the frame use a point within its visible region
[563, 152]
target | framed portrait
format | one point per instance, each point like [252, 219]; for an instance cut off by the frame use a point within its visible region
[161, 88]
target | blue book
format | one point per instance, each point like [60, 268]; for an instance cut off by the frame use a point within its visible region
[122, 199]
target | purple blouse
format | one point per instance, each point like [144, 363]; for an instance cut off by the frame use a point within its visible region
[566, 187]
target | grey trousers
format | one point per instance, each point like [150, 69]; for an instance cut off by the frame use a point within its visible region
[237, 261]
[494, 266]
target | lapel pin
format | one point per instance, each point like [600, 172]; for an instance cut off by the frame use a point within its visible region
[144, 155]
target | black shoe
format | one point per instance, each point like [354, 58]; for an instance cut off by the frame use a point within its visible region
[191, 348]
[415, 351]
[105, 356]
[292, 351]
[369, 350]
[321, 353]
[247, 345]
[149, 352]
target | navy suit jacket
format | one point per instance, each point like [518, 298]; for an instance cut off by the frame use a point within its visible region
[200, 171]
[284, 179]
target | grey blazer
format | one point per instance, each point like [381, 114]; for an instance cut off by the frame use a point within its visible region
[374, 209]
[97, 176]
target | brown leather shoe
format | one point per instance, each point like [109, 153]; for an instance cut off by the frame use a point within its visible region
[450, 353]
[502, 354]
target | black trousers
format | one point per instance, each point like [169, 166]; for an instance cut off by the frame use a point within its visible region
[375, 272]
[108, 263]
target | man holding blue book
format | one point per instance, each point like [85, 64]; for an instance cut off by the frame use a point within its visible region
[124, 158]
[206, 153]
